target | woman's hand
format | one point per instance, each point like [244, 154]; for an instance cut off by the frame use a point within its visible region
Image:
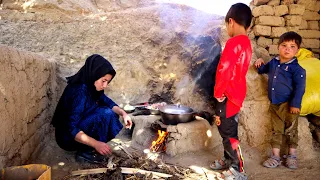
[99, 146]
[102, 148]
[258, 63]
[125, 116]
[127, 121]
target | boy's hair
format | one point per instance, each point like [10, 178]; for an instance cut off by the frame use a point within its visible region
[290, 36]
[241, 14]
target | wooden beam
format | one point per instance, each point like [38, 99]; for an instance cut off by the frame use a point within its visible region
[89, 171]
[135, 170]
[124, 170]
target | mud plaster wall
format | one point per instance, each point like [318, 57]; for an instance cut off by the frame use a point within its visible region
[27, 99]
[158, 50]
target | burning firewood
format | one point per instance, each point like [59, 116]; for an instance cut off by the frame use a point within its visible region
[159, 144]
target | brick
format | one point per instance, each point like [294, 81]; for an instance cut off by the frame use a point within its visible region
[281, 10]
[309, 4]
[313, 25]
[287, 2]
[304, 24]
[251, 35]
[296, 9]
[264, 42]
[293, 20]
[262, 53]
[270, 21]
[317, 8]
[260, 2]
[310, 43]
[293, 28]
[275, 41]
[263, 10]
[274, 3]
[273, 49]
[309, 34]
[311, 15]
[315, 50]
[262, 30]
[278, 31]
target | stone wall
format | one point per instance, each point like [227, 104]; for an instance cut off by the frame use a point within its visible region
[274, 17]
[27, 100]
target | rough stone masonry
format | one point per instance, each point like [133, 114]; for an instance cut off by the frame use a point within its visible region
[274, 17]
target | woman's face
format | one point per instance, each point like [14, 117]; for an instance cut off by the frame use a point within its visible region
[103, 82]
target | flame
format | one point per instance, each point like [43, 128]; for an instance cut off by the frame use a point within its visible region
[157, 144]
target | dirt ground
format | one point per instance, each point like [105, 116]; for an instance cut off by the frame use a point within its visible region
[62, 163]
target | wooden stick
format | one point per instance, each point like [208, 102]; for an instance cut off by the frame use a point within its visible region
[135, 170]
[126, 151]
[89, 171]
[124, 170]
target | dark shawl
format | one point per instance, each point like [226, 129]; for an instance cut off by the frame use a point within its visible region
[95, 67]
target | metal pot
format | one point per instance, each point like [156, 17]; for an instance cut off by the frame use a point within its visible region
[174, 114]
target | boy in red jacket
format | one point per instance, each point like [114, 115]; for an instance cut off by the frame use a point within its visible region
[230, 89]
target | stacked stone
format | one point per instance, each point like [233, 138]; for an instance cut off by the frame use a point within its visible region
[272, 18]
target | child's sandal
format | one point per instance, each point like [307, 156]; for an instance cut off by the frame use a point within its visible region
[272, 162]
[292, 162]
[232, 174]
[219, 164]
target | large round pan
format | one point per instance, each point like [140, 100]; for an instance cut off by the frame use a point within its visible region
[174, 114]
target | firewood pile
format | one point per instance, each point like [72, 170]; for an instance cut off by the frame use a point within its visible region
[121, 166]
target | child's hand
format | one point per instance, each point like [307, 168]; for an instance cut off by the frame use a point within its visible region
[221, 99]
[258, 63]
[294, 110]
[218, 121]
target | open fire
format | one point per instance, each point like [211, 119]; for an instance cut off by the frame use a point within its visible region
[159, 144]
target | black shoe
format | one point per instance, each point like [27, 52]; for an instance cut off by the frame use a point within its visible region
[89, 156]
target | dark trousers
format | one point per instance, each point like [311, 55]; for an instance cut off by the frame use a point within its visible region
[228, 130]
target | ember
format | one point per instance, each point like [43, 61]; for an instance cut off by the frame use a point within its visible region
[159, 144]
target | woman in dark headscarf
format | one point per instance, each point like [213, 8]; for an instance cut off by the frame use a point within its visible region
[85, 118]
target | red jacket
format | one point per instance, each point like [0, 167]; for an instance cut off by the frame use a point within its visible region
[231, 73]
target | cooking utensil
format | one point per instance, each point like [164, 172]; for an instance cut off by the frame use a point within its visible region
[128, 108]
[144, 104]
[153, 111]
[174, 114]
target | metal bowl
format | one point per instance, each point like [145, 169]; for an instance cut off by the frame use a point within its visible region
[174, 114]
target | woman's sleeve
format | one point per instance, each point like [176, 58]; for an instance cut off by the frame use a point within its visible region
[77, 106]
[105, 101]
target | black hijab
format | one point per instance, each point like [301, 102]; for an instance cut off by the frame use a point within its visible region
[95, 67]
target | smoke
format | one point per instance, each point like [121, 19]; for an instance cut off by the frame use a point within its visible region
[208, 6]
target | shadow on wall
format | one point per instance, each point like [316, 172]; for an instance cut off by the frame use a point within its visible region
[204, 65]
[201, 54]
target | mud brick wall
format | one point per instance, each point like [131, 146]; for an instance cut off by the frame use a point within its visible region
[27, 100]
[274, 17]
